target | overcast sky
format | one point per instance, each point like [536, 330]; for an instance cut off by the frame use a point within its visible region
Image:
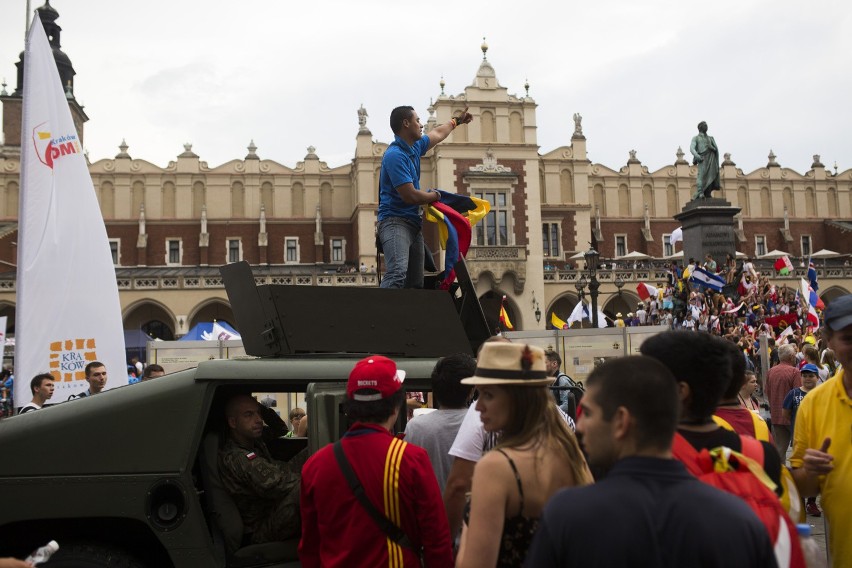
[764, 74]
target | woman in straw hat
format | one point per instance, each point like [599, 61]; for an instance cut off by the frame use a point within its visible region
[537, 456]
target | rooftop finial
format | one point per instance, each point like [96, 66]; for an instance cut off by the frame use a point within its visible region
[483, 47]
[527, 86]
[3, 93]
[442, 83]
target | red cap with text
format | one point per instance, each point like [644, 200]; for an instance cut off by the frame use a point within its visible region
[374, 378]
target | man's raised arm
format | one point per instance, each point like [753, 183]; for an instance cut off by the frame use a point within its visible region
[440, 132]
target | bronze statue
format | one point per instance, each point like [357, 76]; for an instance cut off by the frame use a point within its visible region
[706, 157]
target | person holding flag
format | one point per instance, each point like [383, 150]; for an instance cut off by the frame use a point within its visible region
[400, 198]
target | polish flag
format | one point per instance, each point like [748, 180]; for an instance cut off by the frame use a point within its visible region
[646, 291]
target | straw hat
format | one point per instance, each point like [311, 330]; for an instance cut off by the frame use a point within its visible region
[510, 364]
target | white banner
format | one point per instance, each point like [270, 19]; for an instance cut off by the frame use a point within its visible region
[67, 313]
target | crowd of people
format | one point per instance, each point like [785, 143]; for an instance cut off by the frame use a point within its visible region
[498, 475]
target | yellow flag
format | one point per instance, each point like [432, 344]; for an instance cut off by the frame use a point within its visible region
[556, 322]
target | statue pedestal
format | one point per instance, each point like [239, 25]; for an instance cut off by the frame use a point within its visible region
[708, 228]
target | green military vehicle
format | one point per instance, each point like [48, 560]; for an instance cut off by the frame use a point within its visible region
[128, 478]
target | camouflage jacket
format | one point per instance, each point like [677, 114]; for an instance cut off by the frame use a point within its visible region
[255, 480]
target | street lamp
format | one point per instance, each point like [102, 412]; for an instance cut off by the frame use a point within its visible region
[619, 283]
[591, 257]
[580, 285]
[537, 313]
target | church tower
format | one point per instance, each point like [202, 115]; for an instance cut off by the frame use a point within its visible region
[13, 103]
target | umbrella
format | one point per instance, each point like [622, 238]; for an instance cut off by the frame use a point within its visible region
[579, 256]
[739, 254]
[774, 254]
[825, 253]
[634, 255]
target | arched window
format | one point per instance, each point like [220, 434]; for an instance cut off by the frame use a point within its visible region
[489, 128]
[788, 202]
[765, 202]
[267, 195]
[566, 186]
[672, 200]
[169, 200]
[742, 199]
[810, 202]
[648, 199]
[199, 198]
[11, 200]
[623, 201]
[326, 193]
[108, 200]
[599, 199]
[238, 200]
[516, 128]
[137, 198]
[298, 199]
[832, 202]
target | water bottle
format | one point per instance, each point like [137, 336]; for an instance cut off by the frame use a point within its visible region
[43, 554]
[814, 557]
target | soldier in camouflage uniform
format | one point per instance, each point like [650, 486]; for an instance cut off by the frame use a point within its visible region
[265, 490]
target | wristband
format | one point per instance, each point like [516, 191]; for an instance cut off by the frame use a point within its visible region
[454, 122]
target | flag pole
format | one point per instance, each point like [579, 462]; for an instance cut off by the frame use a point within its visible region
[27, 21]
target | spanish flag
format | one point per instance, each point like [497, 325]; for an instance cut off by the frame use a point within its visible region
[504, 316]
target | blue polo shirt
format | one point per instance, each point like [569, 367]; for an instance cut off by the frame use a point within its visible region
[400, 165]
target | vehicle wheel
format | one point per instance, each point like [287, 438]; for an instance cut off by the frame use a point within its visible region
[78, 555]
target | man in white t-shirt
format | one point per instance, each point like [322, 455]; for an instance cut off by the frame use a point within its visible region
[42, 389]
[436, 431]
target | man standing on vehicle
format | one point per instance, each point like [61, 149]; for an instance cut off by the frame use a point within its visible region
[265, 490]
[400, 199]
[96, 376]
[372, 499]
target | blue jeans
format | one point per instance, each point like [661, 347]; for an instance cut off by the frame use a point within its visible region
[402, 243]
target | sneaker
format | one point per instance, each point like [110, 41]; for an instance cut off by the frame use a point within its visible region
[812, 509]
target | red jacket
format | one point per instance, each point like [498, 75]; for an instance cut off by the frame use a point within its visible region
[399, 481]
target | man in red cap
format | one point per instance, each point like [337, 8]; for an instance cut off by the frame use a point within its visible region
[397, 518]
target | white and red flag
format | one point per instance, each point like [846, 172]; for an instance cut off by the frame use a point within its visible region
[67, 312]
[646, 291]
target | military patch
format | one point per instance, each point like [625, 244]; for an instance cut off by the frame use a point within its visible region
[251, 455]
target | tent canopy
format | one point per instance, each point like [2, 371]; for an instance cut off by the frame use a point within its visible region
[774, 254]
[204, 330]
[634, 255]
[825, 253]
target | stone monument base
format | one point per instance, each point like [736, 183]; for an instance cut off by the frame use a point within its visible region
[708, 228]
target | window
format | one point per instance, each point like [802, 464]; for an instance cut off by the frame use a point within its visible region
[291, 250]
[493, 230]
[806, 246]
[115, 251]
[174, 252]
[620, 245]
[668, 249]
[337, 246]
[550, 239]
[235, 250]
[759, 245]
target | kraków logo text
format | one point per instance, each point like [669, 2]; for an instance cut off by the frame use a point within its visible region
[49, 149]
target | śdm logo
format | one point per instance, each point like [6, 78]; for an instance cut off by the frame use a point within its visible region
[68, 359]
[49, 149]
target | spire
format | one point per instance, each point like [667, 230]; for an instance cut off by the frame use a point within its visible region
[49, 15]
[123, 153]
[486, 78]
[252, 155]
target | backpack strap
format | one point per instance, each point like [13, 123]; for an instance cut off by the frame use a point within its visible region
[761, 430]
[752, 449]
[686, 454]
[393, 532]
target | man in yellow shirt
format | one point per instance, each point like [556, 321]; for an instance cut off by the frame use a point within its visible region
[822, 441]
